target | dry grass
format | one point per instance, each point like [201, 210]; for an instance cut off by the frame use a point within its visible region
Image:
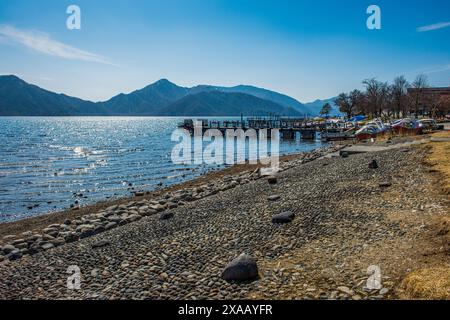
[439, 159]
[433, 283]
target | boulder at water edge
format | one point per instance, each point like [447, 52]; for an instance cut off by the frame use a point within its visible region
[240, 269]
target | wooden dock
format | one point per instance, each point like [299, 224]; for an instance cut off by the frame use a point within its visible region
[289, 128]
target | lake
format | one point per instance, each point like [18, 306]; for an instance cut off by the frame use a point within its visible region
[50, 163]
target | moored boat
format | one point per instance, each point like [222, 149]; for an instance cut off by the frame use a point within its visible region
[371, 130]
[407, 127]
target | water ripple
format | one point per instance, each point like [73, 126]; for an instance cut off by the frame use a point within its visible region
[48, 162]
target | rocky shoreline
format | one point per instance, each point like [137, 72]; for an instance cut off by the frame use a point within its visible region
[14, 247]
[313, 231]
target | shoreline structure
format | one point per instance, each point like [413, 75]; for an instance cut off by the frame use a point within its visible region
[348, 217]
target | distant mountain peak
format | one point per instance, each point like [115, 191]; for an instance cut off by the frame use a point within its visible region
[11, 77]
[160, 84]
[164, 82]
[19, 98]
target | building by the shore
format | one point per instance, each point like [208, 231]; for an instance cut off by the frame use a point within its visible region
[427, 99]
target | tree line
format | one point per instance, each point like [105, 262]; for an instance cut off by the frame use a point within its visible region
[381, 99]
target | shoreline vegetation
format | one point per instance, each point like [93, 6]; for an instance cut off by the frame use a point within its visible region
[397, 100]
[345, 216]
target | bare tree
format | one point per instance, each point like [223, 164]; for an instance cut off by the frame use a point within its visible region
[344, 103]
[432, 104]
[326, 110]
[420, 83]
[381, 99]
[351, 103]
[385, 99]
[443, 106]
[399, 91]
[357, 101]
[373, 96]
[440, 106]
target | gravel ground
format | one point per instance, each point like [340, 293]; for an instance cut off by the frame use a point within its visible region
[345, 222]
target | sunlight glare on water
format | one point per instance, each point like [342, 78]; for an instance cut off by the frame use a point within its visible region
[47, 164]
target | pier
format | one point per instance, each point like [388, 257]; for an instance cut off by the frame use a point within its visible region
[289, 128]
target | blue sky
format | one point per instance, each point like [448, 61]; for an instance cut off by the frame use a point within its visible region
[306, 49]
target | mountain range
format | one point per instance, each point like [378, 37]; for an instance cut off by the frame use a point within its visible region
[162, 98]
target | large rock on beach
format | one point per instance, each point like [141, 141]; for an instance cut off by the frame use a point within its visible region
[148, 212]
[34, 248]
[166, 215]
[47, 246]
[284, 217]
[133, 217]
[373, 164]
[18, 241]
[15, 255]
[8, 249]
[58, 242]
[114, 218]
[110, 225]
[22, 245]
[86, 230]
[242, 268]
[272, 180]
[101, 244]
[158, 207]
[71, 237]
[274, 198]
[385, 184]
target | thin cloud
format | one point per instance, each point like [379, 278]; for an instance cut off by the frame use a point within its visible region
[41, 42]
[437, 69]
[430, 70]
[435, 26]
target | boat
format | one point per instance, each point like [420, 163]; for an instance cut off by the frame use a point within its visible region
[338, 130]
[371, 130]
[407, 126]
[428, 125]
